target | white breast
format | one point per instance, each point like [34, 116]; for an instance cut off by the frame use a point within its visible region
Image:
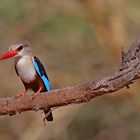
[25, 69]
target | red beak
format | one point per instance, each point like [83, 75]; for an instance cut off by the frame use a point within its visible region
[8, 55]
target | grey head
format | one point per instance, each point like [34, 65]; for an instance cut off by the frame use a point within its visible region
[22, 49]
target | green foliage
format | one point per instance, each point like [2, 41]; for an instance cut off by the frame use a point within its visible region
[12, 11]
[62, 25]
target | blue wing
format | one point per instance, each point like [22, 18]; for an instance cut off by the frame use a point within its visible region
[42, 73]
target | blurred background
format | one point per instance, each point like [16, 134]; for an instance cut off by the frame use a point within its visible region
[77, 41]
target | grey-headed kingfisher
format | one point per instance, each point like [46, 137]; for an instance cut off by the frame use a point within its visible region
[30, 70]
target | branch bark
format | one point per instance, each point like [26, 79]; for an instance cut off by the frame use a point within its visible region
[123, 77]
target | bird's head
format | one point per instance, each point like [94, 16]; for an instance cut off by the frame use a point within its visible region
[17, 50]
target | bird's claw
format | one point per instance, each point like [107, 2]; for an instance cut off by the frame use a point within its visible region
[33, 97]
[18, 95]
[21, 94]
[35, 94]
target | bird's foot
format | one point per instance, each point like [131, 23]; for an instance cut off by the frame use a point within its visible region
[35, 94]
[21, 94]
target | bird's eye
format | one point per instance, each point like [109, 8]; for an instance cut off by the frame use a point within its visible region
[20, 48]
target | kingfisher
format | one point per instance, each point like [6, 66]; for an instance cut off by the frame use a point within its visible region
[31, 72]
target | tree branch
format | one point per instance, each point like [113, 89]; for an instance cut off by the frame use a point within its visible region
[124, 76]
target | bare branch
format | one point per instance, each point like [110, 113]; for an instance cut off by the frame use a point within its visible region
[124, 76]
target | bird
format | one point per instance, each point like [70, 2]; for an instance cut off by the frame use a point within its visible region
[31, 72]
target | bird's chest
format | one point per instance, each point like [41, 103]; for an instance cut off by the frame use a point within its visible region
[26, 70]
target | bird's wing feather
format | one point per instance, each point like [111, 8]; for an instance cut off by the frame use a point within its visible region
[41, 72]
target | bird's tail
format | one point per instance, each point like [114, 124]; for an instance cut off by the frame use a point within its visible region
[48, 114]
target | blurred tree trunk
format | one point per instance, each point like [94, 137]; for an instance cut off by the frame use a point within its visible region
[108, 23]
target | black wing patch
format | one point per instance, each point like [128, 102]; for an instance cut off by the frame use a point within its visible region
[41, 68]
